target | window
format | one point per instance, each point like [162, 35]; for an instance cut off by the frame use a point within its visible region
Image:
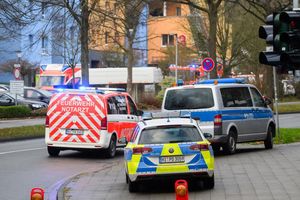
[236, 97]
[168, 40]
[32, 94]
[257, 98]
[178, 11]
[191, 98]
[169, 134]
[132, 107]
[44, 43]
[116, 105]
[30, 38]
[106, 37]
[116, 37]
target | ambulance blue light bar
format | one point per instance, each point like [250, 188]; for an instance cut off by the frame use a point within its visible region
[223, 81]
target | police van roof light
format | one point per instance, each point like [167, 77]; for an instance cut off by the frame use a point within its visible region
[223, 81]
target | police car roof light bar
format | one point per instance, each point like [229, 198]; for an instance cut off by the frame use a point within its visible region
[223, 81]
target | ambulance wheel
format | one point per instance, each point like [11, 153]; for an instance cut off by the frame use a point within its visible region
[110, 152]
[269, 140]
[132, 186]
[209, 183]
[53, 152]
[230, 146]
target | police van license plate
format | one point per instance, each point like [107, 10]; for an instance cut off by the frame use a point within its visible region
[74, 132]
[171, 159]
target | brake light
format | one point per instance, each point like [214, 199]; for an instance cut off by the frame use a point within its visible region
[47, 121]
[199, 147]
[141, 150]
[104, 123]
[218, 120]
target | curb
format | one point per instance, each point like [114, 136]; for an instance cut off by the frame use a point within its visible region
[60, 195]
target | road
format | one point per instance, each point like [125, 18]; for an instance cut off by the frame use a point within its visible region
[286, 121]
[25, 165]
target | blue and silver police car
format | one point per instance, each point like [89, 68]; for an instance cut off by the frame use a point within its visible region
[231, 110]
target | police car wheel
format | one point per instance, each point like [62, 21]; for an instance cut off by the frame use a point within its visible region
[52, 151]
[209, 183]
[230, 146]
[110, 152]
[132, 186]
[269, 140]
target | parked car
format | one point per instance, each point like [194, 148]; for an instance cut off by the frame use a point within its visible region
[168, 147]
[35, 94]
[229, 109]
[8, 99]
[4, 87]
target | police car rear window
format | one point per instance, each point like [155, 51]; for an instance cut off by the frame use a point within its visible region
[189, 98]
[170, 134]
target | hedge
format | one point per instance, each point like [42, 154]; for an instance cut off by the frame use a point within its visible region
[20, 111]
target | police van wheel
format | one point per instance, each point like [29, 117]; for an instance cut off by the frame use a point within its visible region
[110, 152]
[52, 151]
[230, 146]
[132, 186]
[209, 183]
[269, 140]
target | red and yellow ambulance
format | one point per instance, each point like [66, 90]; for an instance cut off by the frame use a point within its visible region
[89, 119]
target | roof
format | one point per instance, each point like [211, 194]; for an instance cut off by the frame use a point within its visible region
[167, 122]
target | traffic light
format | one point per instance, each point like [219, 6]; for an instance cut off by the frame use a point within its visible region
[266, 32]
[291, 38]
[283, 32]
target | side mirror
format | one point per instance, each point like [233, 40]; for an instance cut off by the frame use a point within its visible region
[139, 112]
[207, 135]
[267, 100]
[123, 140]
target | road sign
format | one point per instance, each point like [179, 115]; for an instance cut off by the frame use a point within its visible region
[208, 64]
[17, 71]
[17, 87]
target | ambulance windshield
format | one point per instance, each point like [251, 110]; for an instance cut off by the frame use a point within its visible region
[51, 80]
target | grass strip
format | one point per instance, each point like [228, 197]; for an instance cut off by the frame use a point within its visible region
[22, 132]
[289, 108]
[288, 135]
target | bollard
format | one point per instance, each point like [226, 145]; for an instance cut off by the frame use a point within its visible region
[37, 194]
[181, 190]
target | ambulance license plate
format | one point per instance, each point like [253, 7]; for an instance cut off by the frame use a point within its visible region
[74, 132]
[171, 159]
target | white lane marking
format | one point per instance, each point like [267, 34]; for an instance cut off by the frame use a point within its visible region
[23, 150]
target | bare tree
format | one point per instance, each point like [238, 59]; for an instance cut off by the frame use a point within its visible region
[118, 24]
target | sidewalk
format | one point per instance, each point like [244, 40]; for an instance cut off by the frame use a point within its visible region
[10, 123]
[252, 173]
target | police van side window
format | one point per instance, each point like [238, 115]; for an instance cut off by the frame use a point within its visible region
[257, 98]
[116, 105]
[133, 110]
[236, 97]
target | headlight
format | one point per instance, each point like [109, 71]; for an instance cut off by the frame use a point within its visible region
[36, 106]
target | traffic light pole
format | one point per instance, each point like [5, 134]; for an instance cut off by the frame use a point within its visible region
[276, 99]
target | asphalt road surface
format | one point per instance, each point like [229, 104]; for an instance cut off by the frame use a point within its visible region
[25, 165]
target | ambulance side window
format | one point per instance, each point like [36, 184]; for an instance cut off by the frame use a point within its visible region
[132, 107]
[112, 106]
[121, 105]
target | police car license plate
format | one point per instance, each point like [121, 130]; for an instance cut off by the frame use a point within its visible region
[74, 132]
[171, 159]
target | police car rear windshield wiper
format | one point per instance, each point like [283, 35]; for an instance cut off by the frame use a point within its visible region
[178, 141]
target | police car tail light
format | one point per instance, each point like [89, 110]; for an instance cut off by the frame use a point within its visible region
[104, 123]
[47, 121]
[199, 147]
[218, 120]
[141, 150]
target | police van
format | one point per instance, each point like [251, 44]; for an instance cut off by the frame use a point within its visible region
[229, 109]
[90, 118]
